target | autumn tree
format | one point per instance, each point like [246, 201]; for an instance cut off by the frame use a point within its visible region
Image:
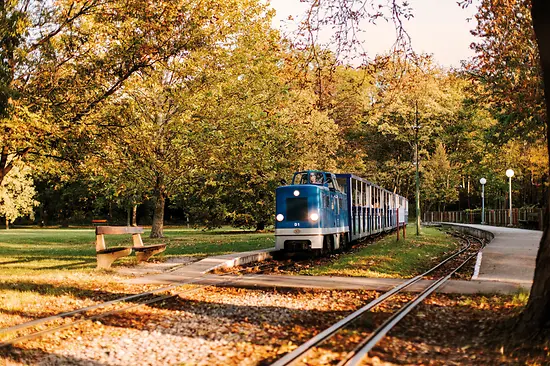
[267, 125]
[536, 315]
[506, 65]
[507, 62]
[407, 95]
[439, 179]
[213, 121]
[68, 58]
[17, 194]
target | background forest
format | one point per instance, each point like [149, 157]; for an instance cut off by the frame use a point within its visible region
[194, 111]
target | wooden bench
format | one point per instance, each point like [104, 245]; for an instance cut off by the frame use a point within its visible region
[106, 256]
[97, 222]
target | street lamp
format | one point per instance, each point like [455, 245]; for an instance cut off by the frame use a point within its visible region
[483, 181]
[510, 174]
[417, 175]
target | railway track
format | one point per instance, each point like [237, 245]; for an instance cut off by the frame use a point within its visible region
[39, 327]
[82, 315]
[283, 264]
[354, 356]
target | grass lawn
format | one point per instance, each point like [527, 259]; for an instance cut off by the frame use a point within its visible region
[389, 258]
[70, 249]
[46, 271]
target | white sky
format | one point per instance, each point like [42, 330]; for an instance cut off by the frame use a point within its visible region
[439, 27]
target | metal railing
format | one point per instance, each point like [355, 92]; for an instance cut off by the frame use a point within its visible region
[529, 218]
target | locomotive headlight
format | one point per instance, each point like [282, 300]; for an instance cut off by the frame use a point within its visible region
[280, 217]
[296, 193]
[314, 216]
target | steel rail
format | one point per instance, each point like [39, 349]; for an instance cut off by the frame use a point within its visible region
[361, 350]
[325, 334]
[97, 306]
[92, 307]
[99, 316]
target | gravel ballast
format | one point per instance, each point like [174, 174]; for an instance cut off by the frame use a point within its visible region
[231, 326]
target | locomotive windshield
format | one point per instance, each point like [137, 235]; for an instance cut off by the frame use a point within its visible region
[309, 178]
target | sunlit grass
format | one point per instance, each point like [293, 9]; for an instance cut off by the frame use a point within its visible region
[44, 271]
[74, 249]
[388, 258]
[521, 297]
[518, 299]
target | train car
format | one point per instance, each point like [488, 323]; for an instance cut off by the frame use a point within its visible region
[371, 208]
[321, 211]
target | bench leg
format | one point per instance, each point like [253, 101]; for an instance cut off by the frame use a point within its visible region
[104, 260]
[142, 256]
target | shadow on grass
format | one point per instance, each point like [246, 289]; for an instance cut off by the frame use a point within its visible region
[51, 290]
[82, 264]
[75, 262]
[21, 260]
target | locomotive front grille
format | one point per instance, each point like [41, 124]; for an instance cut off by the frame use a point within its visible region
[296, 209]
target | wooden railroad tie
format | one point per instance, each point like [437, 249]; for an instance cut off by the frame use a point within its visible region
[106, 256]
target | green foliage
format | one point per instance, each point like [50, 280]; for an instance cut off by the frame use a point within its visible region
[203, 105]
[17, 194]
[406, 94]
[440, 180]
[507, 66]
[12, 25]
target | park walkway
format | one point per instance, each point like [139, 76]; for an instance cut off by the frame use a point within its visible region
[506, 265]
[510, 256]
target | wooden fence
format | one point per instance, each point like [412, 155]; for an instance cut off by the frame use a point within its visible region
[529, 218]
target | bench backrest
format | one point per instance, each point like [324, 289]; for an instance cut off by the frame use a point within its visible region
[116, 230]
[100, 231]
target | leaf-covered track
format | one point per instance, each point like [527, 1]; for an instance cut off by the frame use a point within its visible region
[466, 253]
[140, 299]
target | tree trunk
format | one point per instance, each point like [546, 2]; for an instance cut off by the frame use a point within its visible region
[536, 314]
[7, 224]
[157, 230]
[42, 216]
[134, 215]
[128, 216]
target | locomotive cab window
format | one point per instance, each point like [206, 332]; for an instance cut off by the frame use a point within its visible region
[300, 178]
[316, 178]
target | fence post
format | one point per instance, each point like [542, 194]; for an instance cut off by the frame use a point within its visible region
[397, 215]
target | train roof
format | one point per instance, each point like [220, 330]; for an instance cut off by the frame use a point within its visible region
[349, 175]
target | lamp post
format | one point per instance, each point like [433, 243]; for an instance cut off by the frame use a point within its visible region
[483, 181]
[417, 175]
[510, 174]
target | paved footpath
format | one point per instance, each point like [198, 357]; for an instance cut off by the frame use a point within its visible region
[510, 256]
[506, 265]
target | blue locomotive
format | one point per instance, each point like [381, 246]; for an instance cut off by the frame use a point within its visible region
[322, 211]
